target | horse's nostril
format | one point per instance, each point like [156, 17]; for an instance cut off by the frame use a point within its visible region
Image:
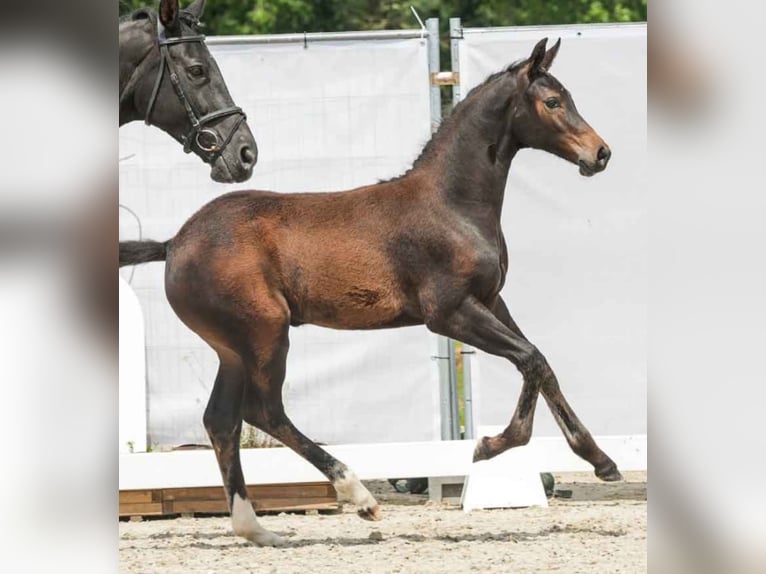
[247, 155]
[603, 153]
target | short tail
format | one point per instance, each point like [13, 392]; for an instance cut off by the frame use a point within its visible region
[135, 252]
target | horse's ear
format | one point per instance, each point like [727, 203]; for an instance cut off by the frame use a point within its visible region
[534, 64]
[196, 9]
[550, 55]
[141, 15]
[169, 13]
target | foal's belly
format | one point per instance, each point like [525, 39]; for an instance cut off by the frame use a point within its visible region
[349, 317]
[353, 308]
[346, 292]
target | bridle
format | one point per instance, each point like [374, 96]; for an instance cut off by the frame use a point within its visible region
[215, 149]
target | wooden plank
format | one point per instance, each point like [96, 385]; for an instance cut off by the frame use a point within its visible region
[211, 499]
[274, 491]
[198, 493]
[266, 505]
[284, 504]
[141, 509]
[191, 506]
[271, 491]
[445, 78]
[136, 496]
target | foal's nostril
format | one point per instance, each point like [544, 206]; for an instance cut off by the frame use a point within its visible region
[246, 155]
[603, 153]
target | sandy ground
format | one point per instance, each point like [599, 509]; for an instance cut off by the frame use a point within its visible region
[601, 528]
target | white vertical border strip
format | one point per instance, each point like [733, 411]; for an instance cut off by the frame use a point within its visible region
[132, 373]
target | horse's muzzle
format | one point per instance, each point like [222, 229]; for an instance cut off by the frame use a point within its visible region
[589, 168]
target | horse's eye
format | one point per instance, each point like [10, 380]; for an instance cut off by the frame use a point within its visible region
[197, 71]
[552, 103]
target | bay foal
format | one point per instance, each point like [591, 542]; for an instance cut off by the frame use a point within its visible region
[425, 248]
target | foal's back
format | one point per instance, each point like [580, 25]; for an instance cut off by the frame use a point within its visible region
[341, 260]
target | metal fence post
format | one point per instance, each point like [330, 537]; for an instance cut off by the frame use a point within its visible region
[453, 394]
[455, 35]
[445, 353]
[467, 353]
[434, 65]
[446, 397]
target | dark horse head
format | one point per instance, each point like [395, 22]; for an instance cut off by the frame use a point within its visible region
[169, 79]
[543, 115]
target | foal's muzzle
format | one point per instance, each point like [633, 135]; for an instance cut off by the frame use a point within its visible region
[599, 161]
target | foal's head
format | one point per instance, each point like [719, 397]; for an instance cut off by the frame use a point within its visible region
[544, 115]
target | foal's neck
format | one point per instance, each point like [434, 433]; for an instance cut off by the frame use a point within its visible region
[474, 150]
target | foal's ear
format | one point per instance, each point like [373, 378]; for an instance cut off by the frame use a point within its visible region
[169, 13]
[196, 9]
[535, 62]
[550, 55]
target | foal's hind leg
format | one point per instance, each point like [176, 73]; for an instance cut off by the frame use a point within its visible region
[223, 421]
[263, 407]
[578, 437]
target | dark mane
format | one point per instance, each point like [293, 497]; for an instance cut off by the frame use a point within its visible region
[492, 77]
[445, 124]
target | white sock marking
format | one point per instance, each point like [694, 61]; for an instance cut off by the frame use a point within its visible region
[350, 489]
[245, 523]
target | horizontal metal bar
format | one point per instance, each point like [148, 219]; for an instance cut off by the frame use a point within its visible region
[313, 37]
[573, 27]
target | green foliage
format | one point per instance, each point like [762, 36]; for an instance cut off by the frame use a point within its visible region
[283, 16]
[528, 12]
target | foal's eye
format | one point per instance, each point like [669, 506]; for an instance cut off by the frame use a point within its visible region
[552, 103]
[197, 71]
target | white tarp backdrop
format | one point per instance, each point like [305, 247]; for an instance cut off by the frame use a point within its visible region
[577, 277]
[328, 116]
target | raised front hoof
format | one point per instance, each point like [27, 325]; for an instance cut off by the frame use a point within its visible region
[609, 473]
[482, 450]
[372, 513]
[265, 538]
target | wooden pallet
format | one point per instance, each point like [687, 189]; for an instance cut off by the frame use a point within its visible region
[211, 499]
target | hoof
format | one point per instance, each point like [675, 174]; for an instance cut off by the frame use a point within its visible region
[371, 513]
[609, 473]
[266, 538]
[481, 452]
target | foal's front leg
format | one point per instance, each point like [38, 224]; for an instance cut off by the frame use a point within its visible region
[475, 325]
[578, 437]
[495, 332]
